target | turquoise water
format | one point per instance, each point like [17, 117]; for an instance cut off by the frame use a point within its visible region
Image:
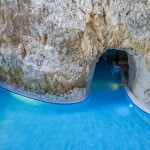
[107, 120]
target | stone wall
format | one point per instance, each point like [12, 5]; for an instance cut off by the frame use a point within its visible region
[139, 78]
[48, 49]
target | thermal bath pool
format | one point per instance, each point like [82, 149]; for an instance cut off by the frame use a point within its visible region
[107, 120]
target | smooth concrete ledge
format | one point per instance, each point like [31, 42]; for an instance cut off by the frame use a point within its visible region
[132, 97]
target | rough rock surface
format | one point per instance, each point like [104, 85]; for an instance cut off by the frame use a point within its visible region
[48, 49]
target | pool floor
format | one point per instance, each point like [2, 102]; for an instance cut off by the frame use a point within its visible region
[107, 120]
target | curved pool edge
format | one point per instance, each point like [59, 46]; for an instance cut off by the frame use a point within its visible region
[131, 96]
[45, 100]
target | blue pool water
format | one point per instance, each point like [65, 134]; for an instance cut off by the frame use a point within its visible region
[107, 120]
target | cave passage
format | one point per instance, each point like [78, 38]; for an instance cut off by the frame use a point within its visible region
[114, 59]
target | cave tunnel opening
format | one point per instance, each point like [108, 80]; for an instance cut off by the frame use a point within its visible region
[123, 68]
[109, 66]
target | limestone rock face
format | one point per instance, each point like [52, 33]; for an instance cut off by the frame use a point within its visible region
[48, 49]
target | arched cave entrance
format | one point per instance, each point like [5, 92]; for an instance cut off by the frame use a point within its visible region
[110, 61]
[134, 72]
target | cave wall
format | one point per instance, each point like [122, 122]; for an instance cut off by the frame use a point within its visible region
[48, 49]
[139, 78]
